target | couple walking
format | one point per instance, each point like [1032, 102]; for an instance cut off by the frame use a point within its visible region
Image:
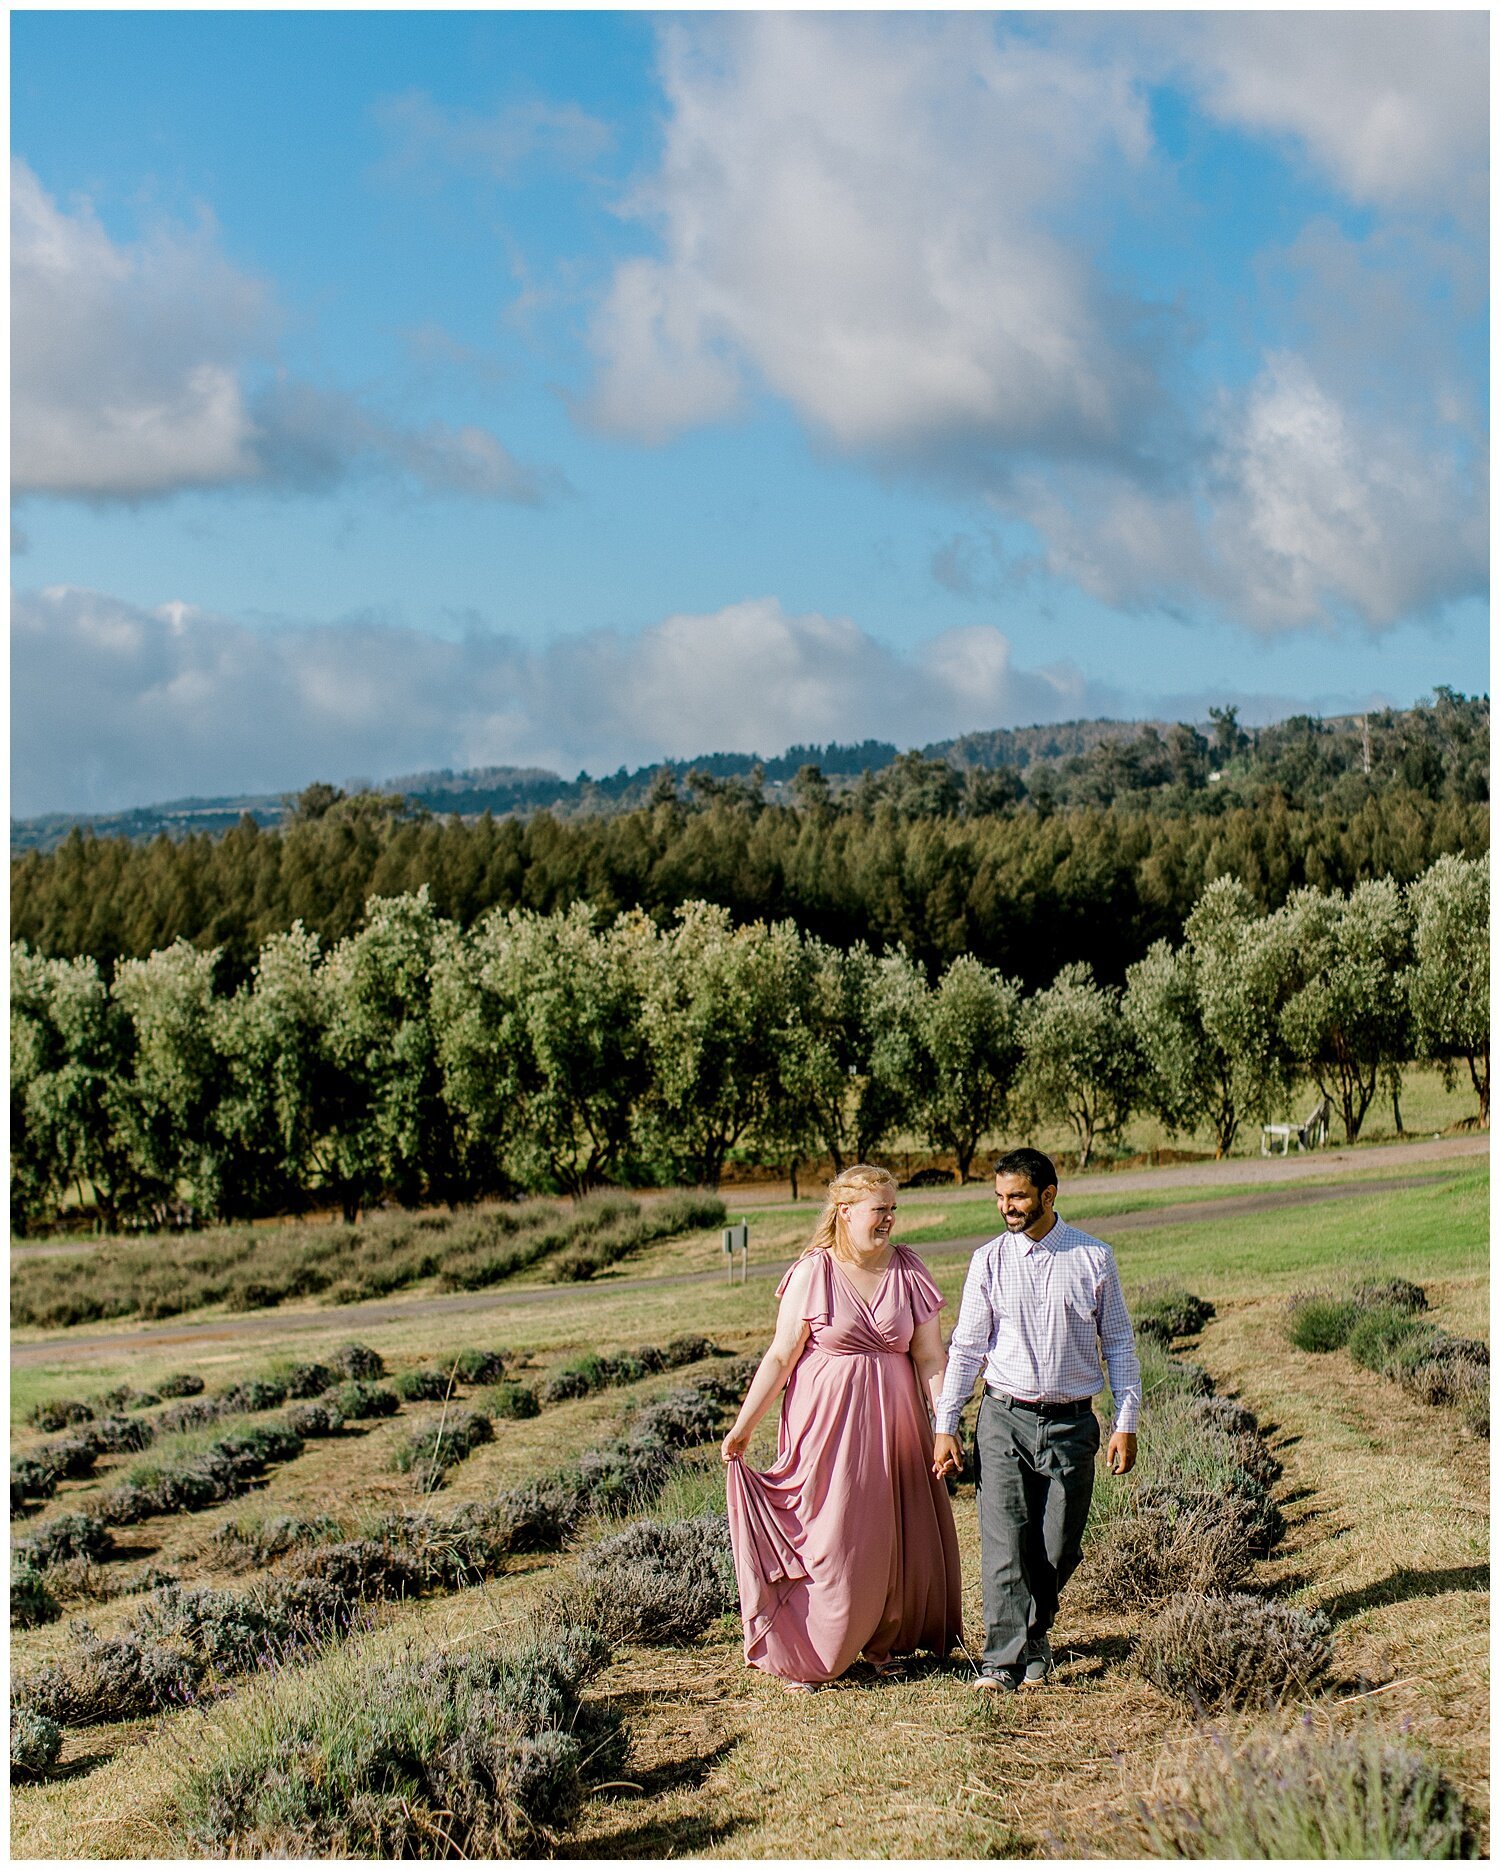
[845, 1546]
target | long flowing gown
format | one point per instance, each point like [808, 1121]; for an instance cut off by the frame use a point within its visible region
[846, 1544]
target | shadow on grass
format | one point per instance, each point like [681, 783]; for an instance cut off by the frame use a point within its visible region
[666, 1835]
[1403, 1586]
[1101, 1654]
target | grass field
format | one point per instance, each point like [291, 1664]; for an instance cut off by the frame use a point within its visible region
[1386, 1504]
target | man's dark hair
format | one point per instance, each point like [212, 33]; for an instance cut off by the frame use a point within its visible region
[1031, 1163]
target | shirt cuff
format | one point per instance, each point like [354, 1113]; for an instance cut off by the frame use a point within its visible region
[947, 1420]
[1125, 1421]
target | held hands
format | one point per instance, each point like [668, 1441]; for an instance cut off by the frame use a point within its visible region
[1121, 1453]
[947, 1457]
[735, 1444]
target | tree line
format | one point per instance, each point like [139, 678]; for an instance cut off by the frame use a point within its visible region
[420, 1061]
[1023, 890]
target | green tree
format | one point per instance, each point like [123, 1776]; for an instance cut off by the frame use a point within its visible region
[177, 1080]
[543, 1050]
[969, 1049]
[1343, 1012]
[1449, 981]
[69, 1047]
[1079, 1061]
[714, 1009]
[393, 1130]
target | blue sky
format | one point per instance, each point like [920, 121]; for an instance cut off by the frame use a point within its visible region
[405, 389]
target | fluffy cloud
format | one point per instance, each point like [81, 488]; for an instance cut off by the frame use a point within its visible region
[115, 705]
[141, 371]
[1394, 106]
[851, 208]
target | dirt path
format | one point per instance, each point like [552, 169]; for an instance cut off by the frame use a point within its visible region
[68, 1348]
[1270, 1169]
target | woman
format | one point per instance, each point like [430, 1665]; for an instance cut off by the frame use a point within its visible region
[845, 1545]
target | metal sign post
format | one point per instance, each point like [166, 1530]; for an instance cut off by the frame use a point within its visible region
[737, 1240]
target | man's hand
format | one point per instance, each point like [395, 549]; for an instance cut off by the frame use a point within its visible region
[1121, 1455]
[946, 1456]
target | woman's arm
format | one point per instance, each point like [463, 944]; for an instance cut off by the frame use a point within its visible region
[928, 1354]
[775, 1366]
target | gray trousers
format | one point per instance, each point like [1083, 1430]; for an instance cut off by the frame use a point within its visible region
[1036, 1479]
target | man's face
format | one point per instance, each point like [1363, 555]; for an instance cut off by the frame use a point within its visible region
[1021, 1205]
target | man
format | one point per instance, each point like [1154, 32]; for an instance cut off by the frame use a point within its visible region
[1040, 1302]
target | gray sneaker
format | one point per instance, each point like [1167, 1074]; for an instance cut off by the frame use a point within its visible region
[1003, 1679]
[1038, 1663]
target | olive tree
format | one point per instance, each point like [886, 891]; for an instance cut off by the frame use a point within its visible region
[1079, 1061]
[544, 1057]
[388, 1126]
[177, 1080]
[716, 1006]
[1204, 1019]
[1449, 980]
[69, 1046]
[968, 1057]
[1343, 1009]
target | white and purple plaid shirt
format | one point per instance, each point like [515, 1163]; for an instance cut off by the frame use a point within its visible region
[1036, 1314]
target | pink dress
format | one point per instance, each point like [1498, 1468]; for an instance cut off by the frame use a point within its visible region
[846, 1543]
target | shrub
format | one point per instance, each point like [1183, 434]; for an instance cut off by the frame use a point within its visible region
[305, 1380]
[195, 1412]
[359, 1363]
[110, 1679]
[69, 1535]
[730, 1381]
[49, 1417]
[420, 1385]
[70, 1457]
[183, 1383]
[567, 1384]
[540, 1515]
[450, 1552]
[659, 1583]
[431, 1451]
[1209, 1649]
[251, 1396]
[1163, 1311]
[513, 1401]
[478, 1754]
[191, 1482]
[31, 1602]
[689, 1350]
[30, 1479]
[682, 1418]
[118, 1434]
[242, 1547]
[1399, 1294]
[312, 1420]
[365, 1569]
[1320, 1323]
[475, 1366]
[1359, 1797]
[124, 1397]
[1168, 1544]
[1376, 1333]
[358, 1401]
[35, 1743]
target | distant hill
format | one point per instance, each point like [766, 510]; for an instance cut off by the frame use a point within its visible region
[1302, 752]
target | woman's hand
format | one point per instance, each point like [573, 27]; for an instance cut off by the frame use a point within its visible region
[735, 1444]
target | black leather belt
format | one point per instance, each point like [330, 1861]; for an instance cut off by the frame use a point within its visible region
[1058, 1411]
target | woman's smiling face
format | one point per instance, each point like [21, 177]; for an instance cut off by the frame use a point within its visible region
[870, 1221]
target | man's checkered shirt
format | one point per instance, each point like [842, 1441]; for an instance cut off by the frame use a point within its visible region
[1036, 1314]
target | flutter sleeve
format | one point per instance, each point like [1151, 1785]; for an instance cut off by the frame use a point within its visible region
[814, 1270]
[922, 1294]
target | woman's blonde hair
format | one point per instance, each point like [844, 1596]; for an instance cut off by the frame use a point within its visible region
[856, 1183]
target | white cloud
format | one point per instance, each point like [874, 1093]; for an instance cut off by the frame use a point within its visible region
[1394, 106]
[142, 371]
[851, 209]
[117, 705]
